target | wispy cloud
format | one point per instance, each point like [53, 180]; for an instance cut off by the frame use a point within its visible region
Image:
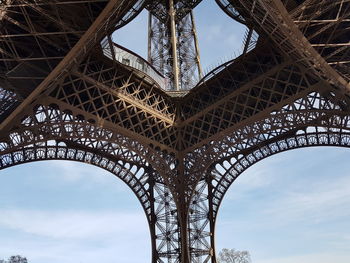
[320, 201]
[293, 207]
[309, 258]
[74, 224]
[73, 172]
[74, 236]
[83, 176]
[212, 32]
[116, 249]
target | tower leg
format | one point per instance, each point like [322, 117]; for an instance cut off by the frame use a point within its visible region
[180, 234]
[164, 224]
[201, 224]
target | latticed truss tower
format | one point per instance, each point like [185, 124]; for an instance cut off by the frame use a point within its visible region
[173, 45]
[68, 92]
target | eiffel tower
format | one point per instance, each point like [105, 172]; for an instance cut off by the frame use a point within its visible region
[176, 138]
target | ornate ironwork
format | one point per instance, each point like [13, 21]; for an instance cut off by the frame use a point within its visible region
[65, 93]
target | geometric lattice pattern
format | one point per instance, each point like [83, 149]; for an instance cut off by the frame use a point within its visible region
[62, 98]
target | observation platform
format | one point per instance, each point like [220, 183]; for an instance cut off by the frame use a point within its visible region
[140, 66]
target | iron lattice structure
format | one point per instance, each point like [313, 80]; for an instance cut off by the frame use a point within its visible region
[64, 94]
[162, 48]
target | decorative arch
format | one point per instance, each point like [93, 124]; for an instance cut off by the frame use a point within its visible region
[137, 178]
[42, 123]
[47, 132]
[228, 171]
[131, 174]
[154, 196]
[313, 120]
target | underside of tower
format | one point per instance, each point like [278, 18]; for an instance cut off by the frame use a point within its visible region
[177, 138]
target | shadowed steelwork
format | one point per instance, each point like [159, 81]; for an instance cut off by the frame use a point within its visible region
[176, 138]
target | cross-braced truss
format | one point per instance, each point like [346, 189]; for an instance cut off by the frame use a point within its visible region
[174, 46]
[65, 94]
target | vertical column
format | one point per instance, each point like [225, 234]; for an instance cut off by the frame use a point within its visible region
[150, 35]
[164, 224]
[182, 206]
[158, 47]
[196, 44]
[201, 224]
[188, 49]
[153, 220]
[174, 45]
[211, 217]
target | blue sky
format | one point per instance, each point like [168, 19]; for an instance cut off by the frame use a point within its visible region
[220, 37]
[291, 207]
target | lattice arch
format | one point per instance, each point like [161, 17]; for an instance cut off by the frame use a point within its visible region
[134, 176]
[44, 123]
[226, 173]
[309, 121]
[215, 183]
[60, 96]
[154, 196]
[47, 132]
[313, 120]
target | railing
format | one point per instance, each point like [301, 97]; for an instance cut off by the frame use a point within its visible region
[131, 14]
[250, 40]
[215, 71]
[131, 59]
[219, 66]
[249, 43]
[230, 10]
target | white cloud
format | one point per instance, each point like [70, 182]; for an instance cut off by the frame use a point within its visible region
[256, 177]
[82, 175]
[75, 236]
[118, 248]
[72, 172]
[320, 201]
[212, 32]
[74, 224]
[309, 258]
[296, 203]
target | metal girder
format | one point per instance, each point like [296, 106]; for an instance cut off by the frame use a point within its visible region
[158, 8]
[273, 18]
[65, 95]
[94, 33]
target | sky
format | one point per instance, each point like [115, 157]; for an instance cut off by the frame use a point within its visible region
[219, 36]
[291, 207]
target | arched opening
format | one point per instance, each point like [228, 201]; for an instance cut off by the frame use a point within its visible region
[64, 211]
[291, 207]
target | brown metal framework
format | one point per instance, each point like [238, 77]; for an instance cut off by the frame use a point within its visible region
[62, 98]
[173, 44]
